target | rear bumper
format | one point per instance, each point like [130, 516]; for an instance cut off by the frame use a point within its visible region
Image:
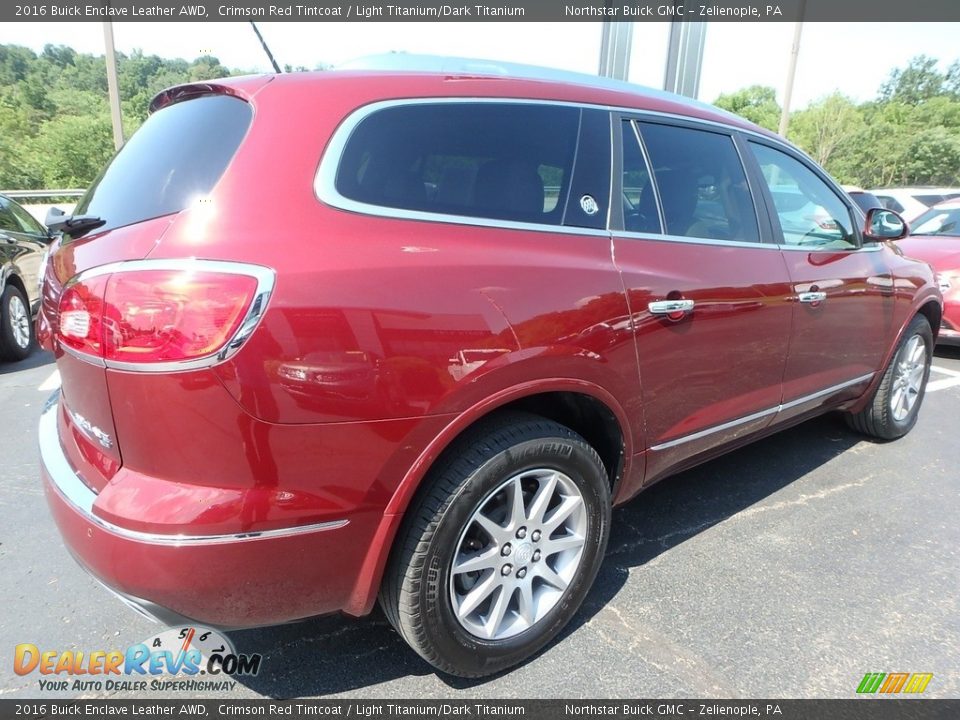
[227, 580]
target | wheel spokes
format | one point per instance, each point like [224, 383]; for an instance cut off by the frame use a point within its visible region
[517, 553]
[475, 597]
[485, 560]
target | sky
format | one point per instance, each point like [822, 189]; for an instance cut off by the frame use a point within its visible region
[853, 58]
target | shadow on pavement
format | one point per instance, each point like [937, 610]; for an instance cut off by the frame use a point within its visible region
[36, 359]
[946, 352]
[336, 654]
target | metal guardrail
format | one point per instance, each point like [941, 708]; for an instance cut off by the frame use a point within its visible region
[72, 192]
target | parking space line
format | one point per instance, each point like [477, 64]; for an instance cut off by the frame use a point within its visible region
[51, 383]
[944, 371]
[943, 384]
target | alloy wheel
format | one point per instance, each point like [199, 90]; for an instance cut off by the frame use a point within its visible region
[908, 377]
[517, 554]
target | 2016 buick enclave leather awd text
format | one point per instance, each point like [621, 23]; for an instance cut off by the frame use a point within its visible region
[331, 337]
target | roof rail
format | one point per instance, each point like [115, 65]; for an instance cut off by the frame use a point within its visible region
[411, 62]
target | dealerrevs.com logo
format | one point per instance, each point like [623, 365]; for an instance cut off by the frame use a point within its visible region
[189, 659]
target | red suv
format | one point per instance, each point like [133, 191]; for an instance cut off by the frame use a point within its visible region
[333, 337]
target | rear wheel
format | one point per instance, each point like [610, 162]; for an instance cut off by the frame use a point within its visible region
[16, 332]
[502, 547]
[893, 411]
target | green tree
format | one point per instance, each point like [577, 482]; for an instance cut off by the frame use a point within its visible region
[757, 103]
[826, 128]
[918, 81]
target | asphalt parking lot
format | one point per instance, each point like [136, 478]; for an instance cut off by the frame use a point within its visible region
[787, 569]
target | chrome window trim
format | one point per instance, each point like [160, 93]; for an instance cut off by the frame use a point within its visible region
[81, 498]
[325, 187]
[324, 183]
[763, 413]
[696, 241]
[868, 247]
[266, 280]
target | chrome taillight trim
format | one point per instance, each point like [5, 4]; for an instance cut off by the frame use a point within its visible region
[266, 280]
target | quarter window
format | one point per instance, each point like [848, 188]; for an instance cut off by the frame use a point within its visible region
[810, 213]
[701, 183]
[491, 160]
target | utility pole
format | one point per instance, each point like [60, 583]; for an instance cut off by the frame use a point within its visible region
[113, 87]
[791, 72]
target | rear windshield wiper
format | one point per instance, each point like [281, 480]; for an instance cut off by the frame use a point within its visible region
[74, 225]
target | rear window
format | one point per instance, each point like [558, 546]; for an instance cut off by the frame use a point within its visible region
[489, 160]
[175, 158]
[930, 200]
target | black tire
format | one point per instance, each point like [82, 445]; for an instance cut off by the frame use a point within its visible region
[878, 418]
[10, 348]
[417, 593]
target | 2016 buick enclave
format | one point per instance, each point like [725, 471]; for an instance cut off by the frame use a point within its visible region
[329, 337]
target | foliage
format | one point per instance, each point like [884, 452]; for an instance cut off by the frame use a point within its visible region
[909, 135]
[757, 103]
[55, 128]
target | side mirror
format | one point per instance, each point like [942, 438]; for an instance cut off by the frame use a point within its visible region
[883, 224]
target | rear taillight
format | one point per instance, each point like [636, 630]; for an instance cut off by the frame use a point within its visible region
[162, 314]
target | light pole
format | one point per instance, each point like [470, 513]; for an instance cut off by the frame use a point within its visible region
[791, 72]
[113, 87]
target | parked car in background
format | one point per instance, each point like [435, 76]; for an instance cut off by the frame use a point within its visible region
[512, 303]
[23, 244]
[935, 239]
[864, 200]
[911, 202]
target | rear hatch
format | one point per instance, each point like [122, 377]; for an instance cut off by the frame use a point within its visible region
[171, 164]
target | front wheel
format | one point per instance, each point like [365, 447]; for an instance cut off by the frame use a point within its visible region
[893, 411]
[501, 548]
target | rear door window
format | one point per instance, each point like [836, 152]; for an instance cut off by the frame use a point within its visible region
[701, 183]
[173, 160]
[505, 161]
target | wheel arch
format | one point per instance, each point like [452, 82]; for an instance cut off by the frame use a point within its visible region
[930, 307]
[586, 408]
[933, 311]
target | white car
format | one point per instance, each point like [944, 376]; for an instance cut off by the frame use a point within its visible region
[912, 201]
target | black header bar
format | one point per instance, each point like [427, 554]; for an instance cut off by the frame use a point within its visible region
[485, 11]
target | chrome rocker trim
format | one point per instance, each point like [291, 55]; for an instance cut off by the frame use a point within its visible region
[763, 413]
[81, 498]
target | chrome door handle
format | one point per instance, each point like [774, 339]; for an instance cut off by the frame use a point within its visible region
[669, 307]
[812, 297]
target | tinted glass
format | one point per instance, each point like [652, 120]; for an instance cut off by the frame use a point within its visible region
[810, 212]
[702, 185]
[866, 201]
[937, 222]
[175, 158]
[930, 200]
[491, 160]
[890, 203]
[27, 222]
[639, 199]
[7, 220]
